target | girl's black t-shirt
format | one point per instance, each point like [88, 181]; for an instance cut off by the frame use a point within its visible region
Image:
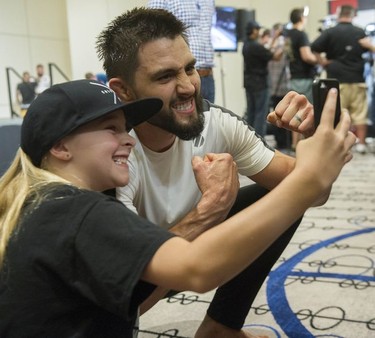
[72, 268]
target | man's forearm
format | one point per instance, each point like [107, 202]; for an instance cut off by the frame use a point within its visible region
[203, 217]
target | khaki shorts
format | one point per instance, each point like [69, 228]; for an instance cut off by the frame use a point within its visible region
[302, 86]
[353, 97]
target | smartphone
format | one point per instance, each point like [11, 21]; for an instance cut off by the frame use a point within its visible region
[320, 90]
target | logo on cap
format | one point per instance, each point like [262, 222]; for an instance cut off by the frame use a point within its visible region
[106, 90]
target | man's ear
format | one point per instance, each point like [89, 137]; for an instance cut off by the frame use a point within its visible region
[122, 89]
[60, 151]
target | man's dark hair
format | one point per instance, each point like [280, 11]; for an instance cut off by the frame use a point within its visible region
[347, 11]
[118, 45]
[296, 15]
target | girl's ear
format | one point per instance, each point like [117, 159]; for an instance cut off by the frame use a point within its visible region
[122, 89]
[60, 151]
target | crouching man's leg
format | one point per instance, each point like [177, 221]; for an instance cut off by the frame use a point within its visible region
[232, 301]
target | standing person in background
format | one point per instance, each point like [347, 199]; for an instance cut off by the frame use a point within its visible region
[302, 60]
[43, 80]
[25, 92]
[256, 57]
[279, 84]
[279, 69]
[265, 37]
[344, 61]
[90, 76]
[197, 16]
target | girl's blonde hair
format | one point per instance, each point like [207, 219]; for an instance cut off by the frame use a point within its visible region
[20, 181]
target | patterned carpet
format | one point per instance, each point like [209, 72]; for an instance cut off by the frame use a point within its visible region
[322, 286]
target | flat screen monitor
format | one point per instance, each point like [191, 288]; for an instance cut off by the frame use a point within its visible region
[224, 29]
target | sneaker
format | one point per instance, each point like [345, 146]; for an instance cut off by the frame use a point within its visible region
[360, 148]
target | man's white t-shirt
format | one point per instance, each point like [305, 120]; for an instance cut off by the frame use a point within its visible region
[162, 186]
[44, 82]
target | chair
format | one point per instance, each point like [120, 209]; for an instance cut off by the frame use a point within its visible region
[9, 144]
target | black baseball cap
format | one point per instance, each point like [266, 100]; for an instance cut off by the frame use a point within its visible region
[251, 25]
[64, 107]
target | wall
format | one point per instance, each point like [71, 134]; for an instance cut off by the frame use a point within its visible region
[64, 32]
[86, 19]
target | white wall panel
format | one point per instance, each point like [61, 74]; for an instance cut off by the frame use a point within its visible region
[84, 30]
[13, 16]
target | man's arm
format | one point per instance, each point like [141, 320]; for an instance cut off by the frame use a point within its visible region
[280, 167]
[367, 44]
[307, 55]
[318, 47]
[322, 60]
[219, 186]
[18, 96]
[284, 116]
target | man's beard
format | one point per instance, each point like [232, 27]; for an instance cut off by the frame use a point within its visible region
[168, 122]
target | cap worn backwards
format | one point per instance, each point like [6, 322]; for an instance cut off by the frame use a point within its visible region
[64, 107]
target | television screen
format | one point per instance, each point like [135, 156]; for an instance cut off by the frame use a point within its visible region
[224, 29]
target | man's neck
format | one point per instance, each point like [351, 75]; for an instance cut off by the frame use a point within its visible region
[298, 26]
[345, 20]
[154, 138]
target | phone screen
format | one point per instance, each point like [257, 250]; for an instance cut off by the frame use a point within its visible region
[320, 90]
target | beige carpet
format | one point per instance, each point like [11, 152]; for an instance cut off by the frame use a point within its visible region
[322, 286]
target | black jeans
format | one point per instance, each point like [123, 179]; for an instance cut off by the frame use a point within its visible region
[232, 301]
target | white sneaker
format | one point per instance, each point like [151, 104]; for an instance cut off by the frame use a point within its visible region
[360, 148]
